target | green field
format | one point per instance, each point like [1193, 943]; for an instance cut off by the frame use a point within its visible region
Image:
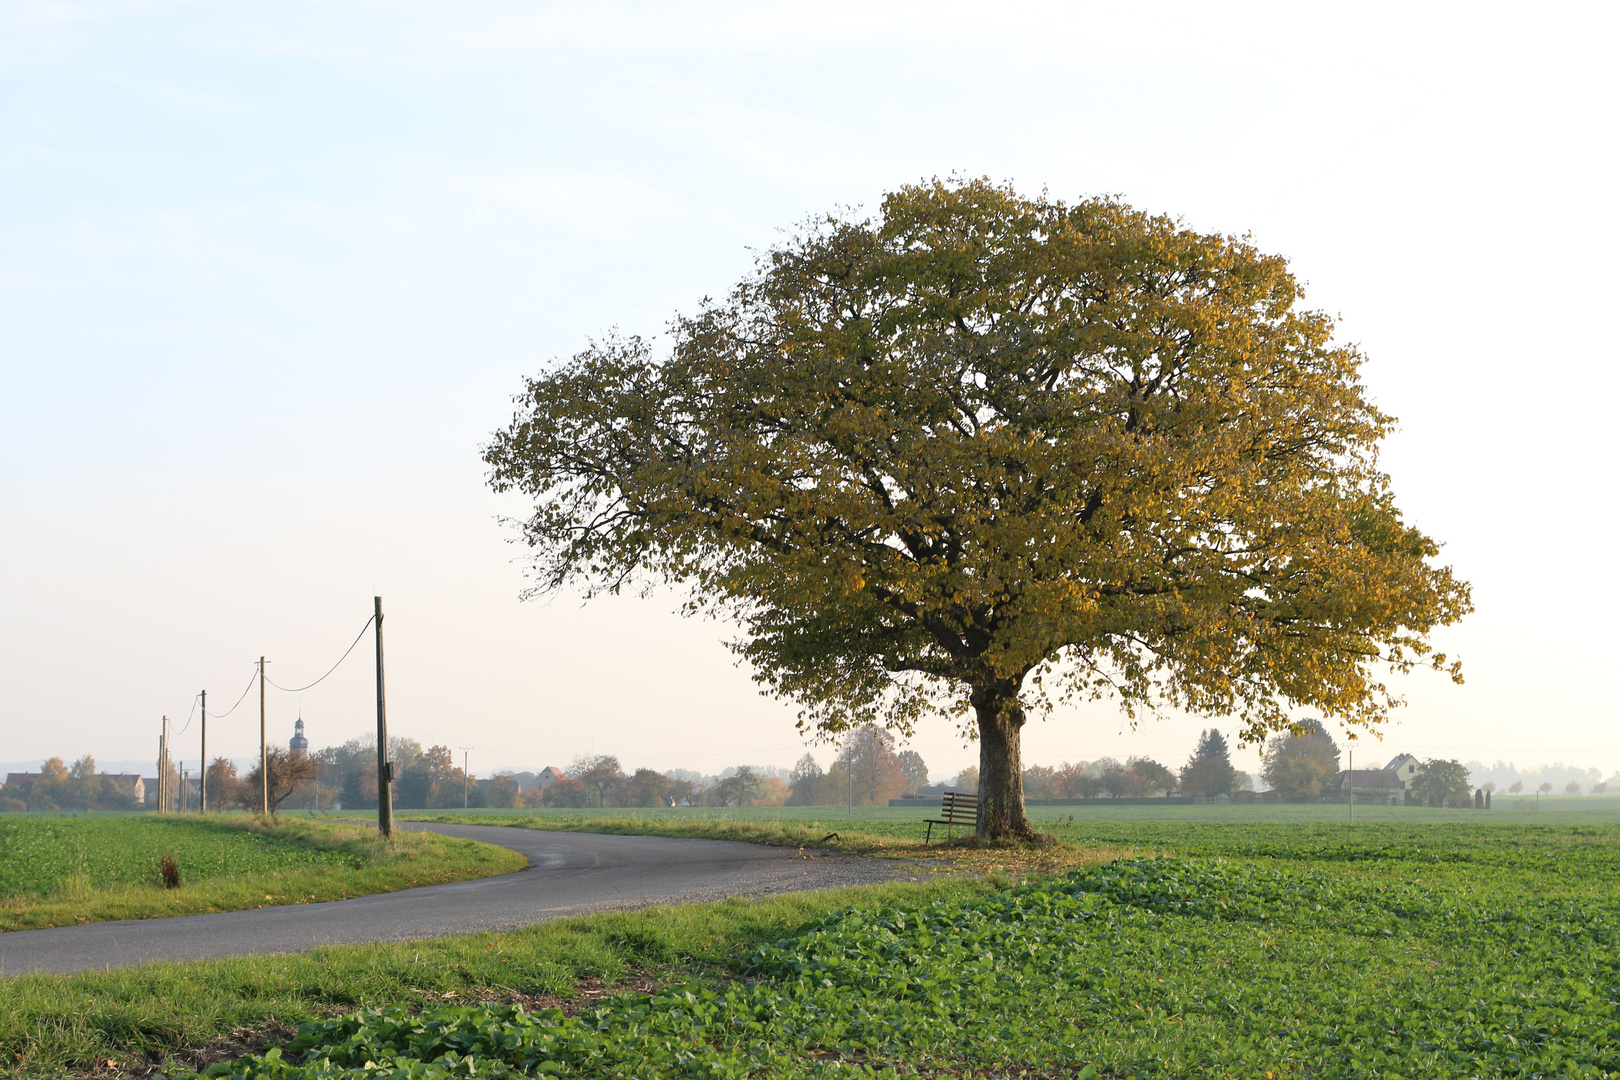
[59, 870]
[1397, 949]
[900, 830]
[1586, 808]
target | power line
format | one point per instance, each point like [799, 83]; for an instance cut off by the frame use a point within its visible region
[334, 667]
[251, 681]
[729, 753]
[189, 715]
[1523, 749]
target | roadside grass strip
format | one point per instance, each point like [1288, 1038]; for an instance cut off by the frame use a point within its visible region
[859, 836]
[1170, 967]
[880, 839]
[58, 871]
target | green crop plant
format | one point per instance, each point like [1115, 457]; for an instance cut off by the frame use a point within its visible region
[1167, 967]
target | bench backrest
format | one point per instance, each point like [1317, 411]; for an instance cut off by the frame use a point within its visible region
[959, 806]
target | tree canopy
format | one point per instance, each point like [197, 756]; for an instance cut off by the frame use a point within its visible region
[876, 773]
[1209, 770]
[1444, 782]
[982, 452]
[916, 770]
[286, 771]
[1302, 764]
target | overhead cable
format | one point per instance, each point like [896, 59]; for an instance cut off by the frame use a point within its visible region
[189, 715]
[334, 667]
[227, 712]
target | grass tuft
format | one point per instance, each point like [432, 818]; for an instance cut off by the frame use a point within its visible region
[169, 871]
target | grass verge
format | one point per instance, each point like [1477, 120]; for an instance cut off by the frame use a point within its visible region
[853, 836]
[129, 1020]
[62, 871]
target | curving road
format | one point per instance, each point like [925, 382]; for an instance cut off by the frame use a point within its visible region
[569, 874]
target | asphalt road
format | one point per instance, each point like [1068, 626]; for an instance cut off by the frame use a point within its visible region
[569, 873]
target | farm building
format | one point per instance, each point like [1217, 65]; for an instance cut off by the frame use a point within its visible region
[1404, 766]
[1386, 785]
[18, 783]
[1373, 785]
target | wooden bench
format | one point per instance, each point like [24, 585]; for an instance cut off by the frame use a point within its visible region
[955, 808]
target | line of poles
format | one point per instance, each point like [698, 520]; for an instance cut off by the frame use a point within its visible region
[385, 768]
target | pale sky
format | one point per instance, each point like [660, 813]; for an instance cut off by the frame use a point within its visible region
[270, 273]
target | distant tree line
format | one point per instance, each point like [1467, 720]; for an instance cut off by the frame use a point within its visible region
[1302, 765]
[79, 786]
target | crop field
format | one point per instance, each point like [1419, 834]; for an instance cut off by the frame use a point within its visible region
[1284, 952]
[1242, 950]
[57, 870]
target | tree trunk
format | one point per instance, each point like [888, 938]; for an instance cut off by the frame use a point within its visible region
[1001, 766]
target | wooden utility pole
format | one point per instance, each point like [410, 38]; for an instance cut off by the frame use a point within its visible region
[464, 779]
[385, 768]
[163, 768]
[202, 793]
[264, 756]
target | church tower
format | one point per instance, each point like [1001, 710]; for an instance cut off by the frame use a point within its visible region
[299, 744]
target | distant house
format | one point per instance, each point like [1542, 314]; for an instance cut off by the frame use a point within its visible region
[548, 776]
[1387, 785]
[18, 783]
[1373, 785]
[1405, 766]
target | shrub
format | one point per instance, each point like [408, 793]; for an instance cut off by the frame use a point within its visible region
[169, 871]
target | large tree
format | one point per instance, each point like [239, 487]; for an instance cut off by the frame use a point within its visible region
[916, 770]
[647, 787]
[223, 784]
[602, 776]
[1209, 770]
[1443, 782]
[982, 451]
[874, 769]
[84, 789]
[287, 771]
[1302, 764]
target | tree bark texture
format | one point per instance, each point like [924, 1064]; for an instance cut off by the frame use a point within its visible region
[1001, 767]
